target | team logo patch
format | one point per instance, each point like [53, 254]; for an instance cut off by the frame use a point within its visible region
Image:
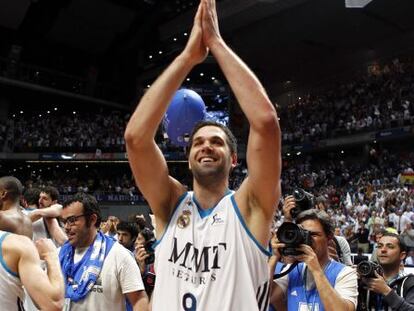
[184, 219]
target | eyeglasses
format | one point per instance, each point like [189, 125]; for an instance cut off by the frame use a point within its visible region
[71, 220]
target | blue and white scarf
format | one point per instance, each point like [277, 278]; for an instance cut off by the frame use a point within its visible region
[82, 276]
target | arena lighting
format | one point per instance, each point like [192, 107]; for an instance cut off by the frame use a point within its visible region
[351, 4]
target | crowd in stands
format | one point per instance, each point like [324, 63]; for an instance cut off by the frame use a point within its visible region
[363, 198]
[382, 99]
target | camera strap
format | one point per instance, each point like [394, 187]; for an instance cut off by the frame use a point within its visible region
[283, 273]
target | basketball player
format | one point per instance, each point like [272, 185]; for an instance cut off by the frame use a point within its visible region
[20, 266]
[211, 249]
[12, 218]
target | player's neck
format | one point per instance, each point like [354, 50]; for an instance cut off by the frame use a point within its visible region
[209, 196]
[8, 206]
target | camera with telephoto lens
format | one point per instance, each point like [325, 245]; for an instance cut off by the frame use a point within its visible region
[303, 202]
[292, 235]
[149, 248]
[367, 269]
[150, 240]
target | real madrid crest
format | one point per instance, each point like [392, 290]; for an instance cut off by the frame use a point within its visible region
[184, 219]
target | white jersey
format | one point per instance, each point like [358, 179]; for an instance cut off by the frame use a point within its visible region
[119, 275]
[38, 227]
[10, 285]
[209, 261]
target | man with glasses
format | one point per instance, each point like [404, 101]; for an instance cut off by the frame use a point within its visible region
[100, 274]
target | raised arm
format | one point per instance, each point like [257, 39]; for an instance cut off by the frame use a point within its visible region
[260, 191]
[46, 290]
[56, 232]
[52, 211]
[145, 158]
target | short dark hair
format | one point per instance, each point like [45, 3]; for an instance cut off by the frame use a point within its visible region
[31, 195]
[319, 215]
[129, 227]
[231, 139]
[13, 187]
[401, 243]
[52, 192]
[90, 207]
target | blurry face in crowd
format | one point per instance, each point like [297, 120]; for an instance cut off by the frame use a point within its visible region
[210, 154]
[45, 200]
[140, 240]
[75, 225]
[125, 238]
[388, 252]
[337, 231]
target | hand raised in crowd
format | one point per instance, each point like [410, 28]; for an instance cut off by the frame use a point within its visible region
[377, 284]
[140, 256]
[288, 204]
[276, 246]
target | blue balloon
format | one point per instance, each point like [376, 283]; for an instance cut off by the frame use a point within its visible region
[185, 110]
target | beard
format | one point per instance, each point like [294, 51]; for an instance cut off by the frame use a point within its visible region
[206, 176]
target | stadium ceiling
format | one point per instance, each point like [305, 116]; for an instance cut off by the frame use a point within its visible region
[280, 39]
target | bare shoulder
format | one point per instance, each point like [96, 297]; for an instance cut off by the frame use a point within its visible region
[250, 200]
[17, 242]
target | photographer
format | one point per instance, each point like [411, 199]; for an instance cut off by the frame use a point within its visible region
[301, 200]
[144, 255]
[317, 282]
[393, 290]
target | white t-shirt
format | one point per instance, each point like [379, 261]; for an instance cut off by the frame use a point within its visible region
[120, 275]
[345, 285]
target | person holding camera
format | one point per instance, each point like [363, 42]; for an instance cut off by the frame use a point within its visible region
[392, 290]
[301, 200]
[316, 282]
[144, 255]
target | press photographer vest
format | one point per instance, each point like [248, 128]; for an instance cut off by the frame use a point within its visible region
[299, 298]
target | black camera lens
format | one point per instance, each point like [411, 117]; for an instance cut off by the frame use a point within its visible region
[149, 248]
[298, 194]
[303, 202]
[368, 268]
[292, 235]
[289, 236]
[364, 268]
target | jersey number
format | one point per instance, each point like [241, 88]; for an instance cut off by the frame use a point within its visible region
[189, 302]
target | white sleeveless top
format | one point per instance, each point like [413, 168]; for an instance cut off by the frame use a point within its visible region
[38, 227]
[10, 284]
[209, 262]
